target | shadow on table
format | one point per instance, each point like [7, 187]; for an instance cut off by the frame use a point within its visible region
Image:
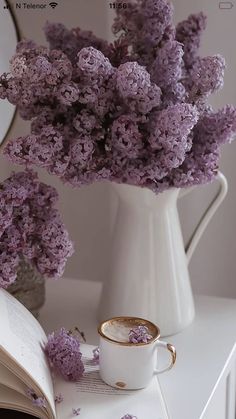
[12, 414]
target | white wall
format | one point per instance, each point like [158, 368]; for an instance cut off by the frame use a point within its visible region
[86, 211]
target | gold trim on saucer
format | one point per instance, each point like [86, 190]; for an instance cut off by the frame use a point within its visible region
[153, 329]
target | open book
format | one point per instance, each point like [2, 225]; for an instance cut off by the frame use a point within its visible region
[23, 366]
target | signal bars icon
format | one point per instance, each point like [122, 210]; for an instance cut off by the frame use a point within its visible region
[53, 4]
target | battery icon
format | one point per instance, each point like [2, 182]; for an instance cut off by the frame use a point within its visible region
[225, 5]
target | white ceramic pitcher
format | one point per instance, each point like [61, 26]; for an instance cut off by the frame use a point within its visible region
[147, 272]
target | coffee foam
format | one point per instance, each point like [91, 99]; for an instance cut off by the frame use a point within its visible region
[118, 329]
[117, 332]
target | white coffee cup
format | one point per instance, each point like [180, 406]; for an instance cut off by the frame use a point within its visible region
[127, 365]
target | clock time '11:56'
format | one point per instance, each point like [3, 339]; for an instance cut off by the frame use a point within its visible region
[119, 5]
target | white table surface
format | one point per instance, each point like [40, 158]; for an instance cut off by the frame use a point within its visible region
[203, 349]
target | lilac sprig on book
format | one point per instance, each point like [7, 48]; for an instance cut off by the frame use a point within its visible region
[58, 398]
[36, 400]
[64, 354]
[134, 111]
[76, 412]
[96, 355]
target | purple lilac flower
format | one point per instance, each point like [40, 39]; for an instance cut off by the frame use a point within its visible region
[9, 261]
[170, 129]
[86, 121]
[143, 25]
[36, 400]
[135, 87]
[160, 13]
[166, 69]
[207, 75]
[202, 161]
[68, 93]
[126, 137]
[126, 21]
[118, 52]
[39, 149]
[63, 351]
[59, 398]
[81, 151]
[139, 334]
[72, 41]
[76, 412]
[92, 63]
[174, 94]
[127, 112]
[31, 228]
[96, 354]
[133, 80]
[189, 34]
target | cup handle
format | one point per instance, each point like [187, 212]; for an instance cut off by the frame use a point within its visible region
[172, 351]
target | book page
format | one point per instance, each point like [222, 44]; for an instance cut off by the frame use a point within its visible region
[8, 379]
[23, 339]
[97, 400]
[10, 399]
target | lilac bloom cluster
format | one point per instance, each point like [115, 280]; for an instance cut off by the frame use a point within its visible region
[139, 334]
[189, 34]
[63, 352]
[36, 400]
[134, 111]
[31, 228]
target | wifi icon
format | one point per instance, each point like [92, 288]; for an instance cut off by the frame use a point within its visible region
[53, 4]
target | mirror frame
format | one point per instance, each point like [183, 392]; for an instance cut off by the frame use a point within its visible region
[18, 38]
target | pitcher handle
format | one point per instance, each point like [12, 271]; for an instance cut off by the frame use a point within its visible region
[207, 215]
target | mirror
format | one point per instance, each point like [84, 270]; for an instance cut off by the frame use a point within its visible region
[9, 37]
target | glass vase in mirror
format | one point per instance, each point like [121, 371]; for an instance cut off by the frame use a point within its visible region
[29, 288]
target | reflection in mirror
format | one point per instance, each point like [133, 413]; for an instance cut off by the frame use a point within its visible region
[8, 41]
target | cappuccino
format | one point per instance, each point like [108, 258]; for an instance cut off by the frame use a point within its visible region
[118, 329]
